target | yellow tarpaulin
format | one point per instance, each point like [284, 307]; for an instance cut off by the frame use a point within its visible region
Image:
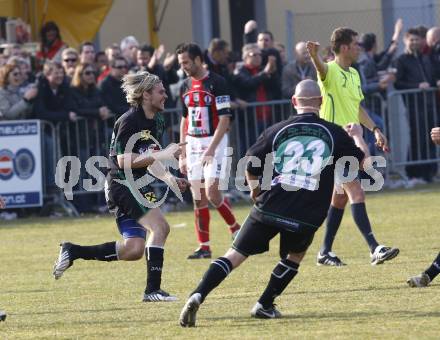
[78, 20]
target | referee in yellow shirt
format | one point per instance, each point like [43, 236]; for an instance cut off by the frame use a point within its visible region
[341, 91]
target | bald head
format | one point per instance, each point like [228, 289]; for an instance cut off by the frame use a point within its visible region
[307, 97]
[433, 36]
[302, 56]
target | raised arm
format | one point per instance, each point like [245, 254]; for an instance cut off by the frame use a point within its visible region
[321, 67]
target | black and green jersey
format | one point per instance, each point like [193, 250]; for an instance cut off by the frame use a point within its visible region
[304, 150]
[130, 123]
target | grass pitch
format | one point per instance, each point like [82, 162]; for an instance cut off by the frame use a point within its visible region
[96, 300]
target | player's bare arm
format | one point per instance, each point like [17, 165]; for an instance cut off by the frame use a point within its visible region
[435, 135]
[2, 203]
[321, 67]
[222, 128]
[365, 119]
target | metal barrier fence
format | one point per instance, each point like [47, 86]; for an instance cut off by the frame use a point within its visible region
[87, 137]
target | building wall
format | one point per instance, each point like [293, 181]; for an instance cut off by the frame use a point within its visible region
[313, 20]
[316, 19]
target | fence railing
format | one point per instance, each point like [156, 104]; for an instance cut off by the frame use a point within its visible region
[407, 117]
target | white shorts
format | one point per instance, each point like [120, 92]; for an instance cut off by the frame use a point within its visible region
[194, 151]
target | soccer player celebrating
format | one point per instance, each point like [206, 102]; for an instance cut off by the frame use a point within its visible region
[294, 207]
[425, 278]
[135, 134]
[205, 122]
[341, 90]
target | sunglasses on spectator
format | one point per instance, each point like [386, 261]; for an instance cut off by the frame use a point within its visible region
[120, 67]
[15, 74]
[88, 73]
[70, 60]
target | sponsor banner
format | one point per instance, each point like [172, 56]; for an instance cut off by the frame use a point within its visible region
[21, 182]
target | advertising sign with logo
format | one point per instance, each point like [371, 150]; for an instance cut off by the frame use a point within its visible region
[21, 183]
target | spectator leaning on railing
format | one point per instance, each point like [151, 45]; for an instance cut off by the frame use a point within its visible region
[54, 100]
[414, 71]
[86, 96]
[13, 105]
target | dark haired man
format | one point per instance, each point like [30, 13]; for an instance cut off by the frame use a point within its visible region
[205, 121]
[87, 53]
[112, 93]
[342, 94]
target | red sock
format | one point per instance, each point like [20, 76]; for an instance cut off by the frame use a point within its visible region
[225, 211]
[202, 226]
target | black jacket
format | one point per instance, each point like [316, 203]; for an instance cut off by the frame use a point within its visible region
[247, 84]
[52, 106]
[413, 70]
[87, 102]
[113, 96]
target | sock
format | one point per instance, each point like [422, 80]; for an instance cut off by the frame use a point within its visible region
[202, 226]
[334, 218]
[216, 273]
[359, 212]
[101, 252]
[154, 257]
[282, 274]
[225, 211]
[434, 269]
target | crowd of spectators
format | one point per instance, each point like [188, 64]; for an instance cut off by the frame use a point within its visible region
[62, 84]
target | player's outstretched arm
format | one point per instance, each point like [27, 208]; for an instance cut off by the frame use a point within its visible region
[321, 67]
[136, 161]
[2, 203]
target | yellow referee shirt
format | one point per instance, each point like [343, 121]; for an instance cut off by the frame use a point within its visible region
[341, 95]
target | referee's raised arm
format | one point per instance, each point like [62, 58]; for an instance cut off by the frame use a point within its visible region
[321, 67]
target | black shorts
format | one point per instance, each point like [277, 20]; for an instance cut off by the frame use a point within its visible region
[254, 238]
[123, 203]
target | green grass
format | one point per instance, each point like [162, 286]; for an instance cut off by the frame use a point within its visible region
[97, 300]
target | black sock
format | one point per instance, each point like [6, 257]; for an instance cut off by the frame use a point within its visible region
[334, 218]
[216, 273]
[101, 252]
[282, 274]
[434, 270]
[154, 256]
[359, 212]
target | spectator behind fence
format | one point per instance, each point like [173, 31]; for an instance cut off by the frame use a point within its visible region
[87, 53]
[129, 47]
[70, 58]
[28, 78]
[54, 100]
[282, 51]
[414, 71]
[298, 70]
[422, 31]
[255, 84]
[51, 43]
[86, 96]
[433, 42]
[111, 52]
[265, 41]
[14, 105]
[114, 97]
[101, 62]
[147, 61]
